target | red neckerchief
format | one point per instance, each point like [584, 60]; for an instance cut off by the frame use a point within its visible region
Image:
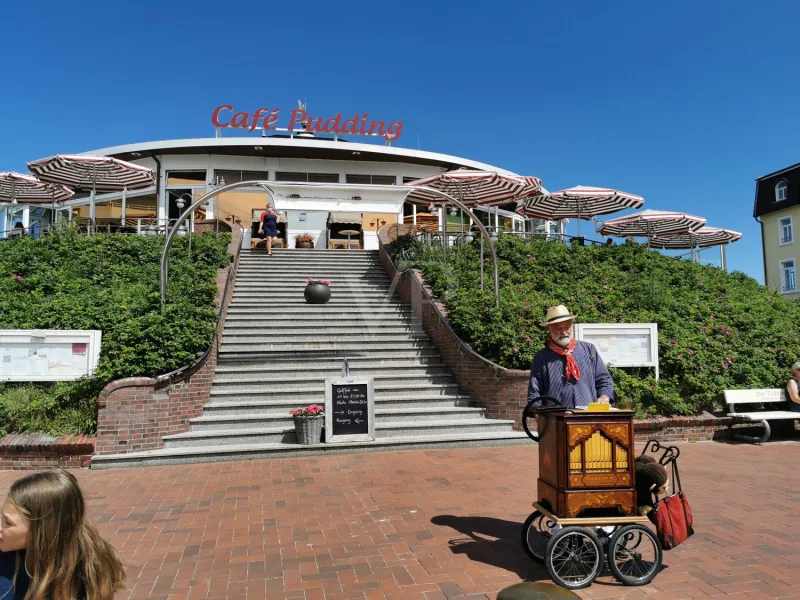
[572, 366]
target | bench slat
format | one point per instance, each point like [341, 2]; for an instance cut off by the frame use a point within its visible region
[755, 396]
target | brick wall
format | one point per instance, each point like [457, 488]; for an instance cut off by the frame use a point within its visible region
[503, 392]
[24, 451]
[135, 413]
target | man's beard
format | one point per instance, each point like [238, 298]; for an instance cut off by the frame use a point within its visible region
[564, 341]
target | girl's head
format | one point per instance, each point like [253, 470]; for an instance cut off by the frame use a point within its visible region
[796, 370]
[45, 514]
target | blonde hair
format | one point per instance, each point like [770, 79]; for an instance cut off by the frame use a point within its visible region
[796, 366]
[66, 555]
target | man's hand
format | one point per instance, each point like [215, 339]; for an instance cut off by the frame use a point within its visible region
[603, 399]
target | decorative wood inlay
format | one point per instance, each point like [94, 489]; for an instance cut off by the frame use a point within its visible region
[576, 502]
[600, 480]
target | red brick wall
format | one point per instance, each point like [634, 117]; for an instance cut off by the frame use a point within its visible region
[22, 452]
[503, 392]
[135, 413]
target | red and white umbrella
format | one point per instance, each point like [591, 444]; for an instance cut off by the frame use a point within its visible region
[475, 188]
[17, 188]
[579, 202]
[652, 223]
[705, 237]
[93, 173]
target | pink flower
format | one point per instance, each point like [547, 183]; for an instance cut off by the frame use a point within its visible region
[527, 338]
[729, 359]
[17, 277]
[769, 348]
[725, 366]
[691, 351]
[605, 287]
[702, 330]
[673, 341]
[680, 357]
[531, 258]
[716, 370]
[516, 349]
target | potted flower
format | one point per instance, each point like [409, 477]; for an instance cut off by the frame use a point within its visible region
[317, 291]
[308, 423]
[304, 240]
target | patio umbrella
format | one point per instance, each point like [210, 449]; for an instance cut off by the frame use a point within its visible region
[651, 224]
[93, 173]
[705, 237]
[579, 202]
[474, 188]
[16, 188]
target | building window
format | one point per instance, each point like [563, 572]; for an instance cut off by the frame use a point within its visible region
[408, 179]
[238, 176]
[788, 281]
[780, 191]
[307, 177]
[372, 179]
[785, 231]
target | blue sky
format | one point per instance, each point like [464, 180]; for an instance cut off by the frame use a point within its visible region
[684, 103]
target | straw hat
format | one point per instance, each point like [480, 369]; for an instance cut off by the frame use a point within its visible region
[556, 314]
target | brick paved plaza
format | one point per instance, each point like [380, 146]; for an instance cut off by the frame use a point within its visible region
[424, 524]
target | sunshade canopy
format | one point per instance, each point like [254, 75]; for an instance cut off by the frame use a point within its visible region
[579, 202]
[473, 188]
[342, 218]
[95, 173]
[652, 223]
[705, 237]
[26, 189]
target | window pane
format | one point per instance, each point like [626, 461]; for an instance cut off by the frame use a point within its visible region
[358, 179]
[323, 177]
[287, 176]
[384, 180]
[239, 176]
[186, 177]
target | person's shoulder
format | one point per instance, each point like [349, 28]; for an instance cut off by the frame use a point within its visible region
[542, 354]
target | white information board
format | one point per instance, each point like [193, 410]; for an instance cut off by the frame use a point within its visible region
[622, 344]
[48, 354]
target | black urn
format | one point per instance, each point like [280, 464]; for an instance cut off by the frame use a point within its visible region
[317, 293]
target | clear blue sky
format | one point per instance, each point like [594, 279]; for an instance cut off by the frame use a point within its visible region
[682, 102]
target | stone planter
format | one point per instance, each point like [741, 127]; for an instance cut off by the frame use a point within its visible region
[317, 293]
[308, 429]
[304, 244]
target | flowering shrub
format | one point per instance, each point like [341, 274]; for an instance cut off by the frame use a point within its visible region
[728, 333]
[110, 283]
[304, 237]
[311, 280]
[313, 410]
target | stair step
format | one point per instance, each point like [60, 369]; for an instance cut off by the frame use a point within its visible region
[285, 382]
[304, 337]
[327, 348]
[382, 416]
[194, 455]
[333, 369]
[286, 435]
[279, 300]
[282, 406]
[301, 361]
[300, 320]
[315, 392]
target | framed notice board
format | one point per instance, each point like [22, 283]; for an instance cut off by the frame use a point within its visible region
[48, 354]
[349, 410]
[622, 344]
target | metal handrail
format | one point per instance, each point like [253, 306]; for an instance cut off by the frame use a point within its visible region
[442, 319]
[164, 271]
[223, 302]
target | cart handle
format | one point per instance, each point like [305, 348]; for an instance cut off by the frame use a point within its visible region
[671, 453]
[529, 412]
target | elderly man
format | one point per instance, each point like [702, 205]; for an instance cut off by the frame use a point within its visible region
[570, 371]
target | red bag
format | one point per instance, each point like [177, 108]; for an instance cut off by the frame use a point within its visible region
[672, 516]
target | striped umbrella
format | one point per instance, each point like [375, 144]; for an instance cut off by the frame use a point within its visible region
[93, 173]
[16, 188]
[705, 237]
[651, 224]
[474, 188]
[579, 202]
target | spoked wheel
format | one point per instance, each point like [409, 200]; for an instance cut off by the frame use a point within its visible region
[634, 555]
[535, 535]
[574, 557]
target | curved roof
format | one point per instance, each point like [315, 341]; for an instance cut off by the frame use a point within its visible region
[282, 147]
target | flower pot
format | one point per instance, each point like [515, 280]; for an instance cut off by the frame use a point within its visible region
[317, 293]
[308, 429]
[304, 244]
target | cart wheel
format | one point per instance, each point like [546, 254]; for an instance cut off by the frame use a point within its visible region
[634, 555]
[574, 557]
[535, 535]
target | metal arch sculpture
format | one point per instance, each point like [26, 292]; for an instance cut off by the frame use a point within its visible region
[164, 269]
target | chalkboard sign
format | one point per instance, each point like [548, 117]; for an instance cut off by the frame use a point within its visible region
[349, 410]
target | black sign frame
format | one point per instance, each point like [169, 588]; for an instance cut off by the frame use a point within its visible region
[349, 399]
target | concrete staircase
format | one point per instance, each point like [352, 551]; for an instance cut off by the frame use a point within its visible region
[277, 351]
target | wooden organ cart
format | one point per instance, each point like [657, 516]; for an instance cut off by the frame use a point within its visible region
[586, 510]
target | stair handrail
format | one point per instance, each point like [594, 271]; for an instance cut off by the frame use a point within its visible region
[222, 306]
[442, 320]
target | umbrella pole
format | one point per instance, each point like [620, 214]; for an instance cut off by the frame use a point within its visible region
[481, 262]
[124, 206]
[91, 211]
[723, 259]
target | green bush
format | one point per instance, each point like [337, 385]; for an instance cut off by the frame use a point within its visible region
[717, 330]
[110, 283]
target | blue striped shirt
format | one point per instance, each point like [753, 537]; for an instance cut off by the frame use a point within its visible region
[548, 377]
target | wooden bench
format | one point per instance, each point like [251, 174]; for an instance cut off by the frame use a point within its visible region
[758, 412]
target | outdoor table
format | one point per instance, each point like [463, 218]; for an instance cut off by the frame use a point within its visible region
[348, 233]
